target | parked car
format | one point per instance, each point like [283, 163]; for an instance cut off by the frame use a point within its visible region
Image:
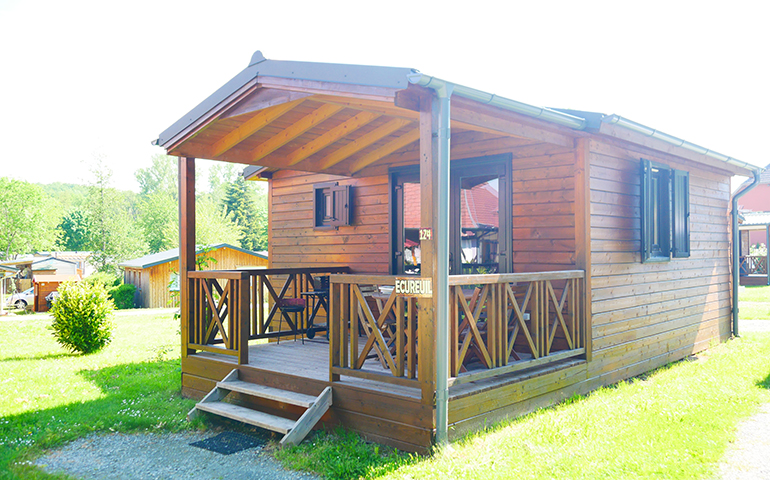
[22, 299]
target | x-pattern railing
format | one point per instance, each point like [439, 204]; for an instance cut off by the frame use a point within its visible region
[504, 321]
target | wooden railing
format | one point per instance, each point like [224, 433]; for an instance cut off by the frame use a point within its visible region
[373, 334]
[754, 265]
[507, 322]
[230, 307]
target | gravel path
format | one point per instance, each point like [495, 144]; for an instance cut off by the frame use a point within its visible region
[160, 456]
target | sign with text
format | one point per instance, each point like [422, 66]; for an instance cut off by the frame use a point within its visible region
[426, 234]
[414, 287]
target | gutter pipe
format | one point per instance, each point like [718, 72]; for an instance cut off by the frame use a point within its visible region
[441, 117]
[658, 135]
[547, 114]
[736, 247]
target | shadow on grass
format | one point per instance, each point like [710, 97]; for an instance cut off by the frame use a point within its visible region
[135, 397]
[47, 356]
[765, 383]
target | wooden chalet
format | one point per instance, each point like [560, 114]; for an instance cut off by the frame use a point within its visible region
[599, 250]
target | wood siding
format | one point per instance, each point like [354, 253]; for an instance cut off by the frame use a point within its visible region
[645, 315]
[295, 243]
[152, 282]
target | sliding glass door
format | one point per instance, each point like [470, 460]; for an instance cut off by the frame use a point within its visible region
[479, 222]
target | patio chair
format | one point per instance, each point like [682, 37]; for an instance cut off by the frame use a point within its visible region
[297, 306]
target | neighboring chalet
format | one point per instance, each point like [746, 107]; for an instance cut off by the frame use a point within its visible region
[754, 230]
[153, 274]
[45, 263]
[605, 248]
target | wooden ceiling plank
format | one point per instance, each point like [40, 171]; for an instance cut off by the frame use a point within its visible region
[382, 108]
[295, 130]
[251, 126]
[362, 142]
[319, 143]
[410, 137]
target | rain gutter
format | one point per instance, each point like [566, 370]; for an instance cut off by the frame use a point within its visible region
[736, 247]
[541, 113]
[658, 135]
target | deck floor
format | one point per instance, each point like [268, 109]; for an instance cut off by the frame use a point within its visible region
[310, 360]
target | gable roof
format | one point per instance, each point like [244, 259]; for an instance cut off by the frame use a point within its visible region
[302, 80]
[159, 258]
[49, 263]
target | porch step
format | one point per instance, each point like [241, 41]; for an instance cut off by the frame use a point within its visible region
[294, 432]
[247, 415]
[270, 393]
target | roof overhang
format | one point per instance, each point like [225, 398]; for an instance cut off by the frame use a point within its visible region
[356, 120]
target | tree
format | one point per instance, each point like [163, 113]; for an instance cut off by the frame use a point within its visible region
[116, 237]
[75, 232]
[212, 225]
[160, 177]
[239, 203]
[22, 218]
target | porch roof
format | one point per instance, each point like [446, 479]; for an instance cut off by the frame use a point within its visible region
[357, 120]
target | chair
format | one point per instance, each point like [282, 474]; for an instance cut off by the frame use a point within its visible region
[296, 306]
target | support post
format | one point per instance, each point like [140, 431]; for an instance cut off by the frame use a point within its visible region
[434, 199]
[767, 252]
[583, 235]
[186, 245]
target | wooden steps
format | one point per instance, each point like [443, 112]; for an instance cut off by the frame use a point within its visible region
[294, 432]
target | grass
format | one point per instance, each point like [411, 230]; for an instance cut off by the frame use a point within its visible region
[674, 423]
[754, 303]
[49, 396]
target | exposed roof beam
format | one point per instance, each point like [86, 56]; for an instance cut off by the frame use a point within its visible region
[362, 142]
[295, 130]
[319, 143]
[251, 126]
[385, 150]
[382, 108]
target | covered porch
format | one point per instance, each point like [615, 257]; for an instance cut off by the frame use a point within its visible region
[447, 314]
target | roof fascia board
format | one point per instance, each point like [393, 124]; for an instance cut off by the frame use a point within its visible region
[617, 126]
[625, 134]
[198, 251]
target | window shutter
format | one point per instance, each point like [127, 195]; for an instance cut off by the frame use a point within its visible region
[647, 209]
[341, 205]
[681, 214]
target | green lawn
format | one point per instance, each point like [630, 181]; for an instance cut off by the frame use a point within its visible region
[754, 303]
[50, 396]
[674, 423]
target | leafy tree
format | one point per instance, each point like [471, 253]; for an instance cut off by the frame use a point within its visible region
[75, 232]
[116, 237]
[22, 218]
[160, 177]
[157, 212]
[222, 174]
[212, 225]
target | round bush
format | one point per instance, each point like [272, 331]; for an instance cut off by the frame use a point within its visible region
[123, 296]
[81, 317]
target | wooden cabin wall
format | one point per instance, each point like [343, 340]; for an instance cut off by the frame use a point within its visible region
[295, 243]
[154, 280]
[543, 192]
[645, 315]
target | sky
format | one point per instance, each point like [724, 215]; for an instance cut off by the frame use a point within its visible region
[86, 79]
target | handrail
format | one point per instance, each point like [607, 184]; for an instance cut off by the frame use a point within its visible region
[488, 279]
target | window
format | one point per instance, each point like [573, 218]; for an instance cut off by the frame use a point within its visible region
[480, 217]
[331, 205]
[665, 213]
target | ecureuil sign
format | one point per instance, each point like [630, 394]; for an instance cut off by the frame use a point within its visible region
[414, 287]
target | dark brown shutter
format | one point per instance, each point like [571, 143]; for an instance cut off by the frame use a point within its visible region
[680, 218]
[341, 205]
[647, 208]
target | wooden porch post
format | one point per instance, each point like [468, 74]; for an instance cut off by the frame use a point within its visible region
[186, 243]
[767, 252]
[426, 329]
[583, 232]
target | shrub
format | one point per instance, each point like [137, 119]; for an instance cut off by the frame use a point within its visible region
[123, 296]
[81, 317]
[106, 280]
